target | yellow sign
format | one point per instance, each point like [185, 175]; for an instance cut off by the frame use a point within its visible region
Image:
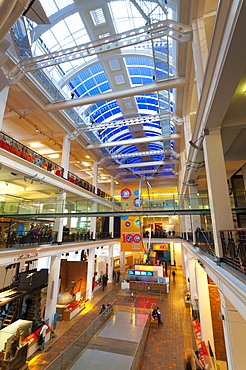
[161, 247]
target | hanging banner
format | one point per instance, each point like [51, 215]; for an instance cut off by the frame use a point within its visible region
[131, 239]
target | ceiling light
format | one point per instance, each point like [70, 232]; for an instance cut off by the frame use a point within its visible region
[36, 144]
[87, 156]
[86, 164]
[54, 155]
[44, 152]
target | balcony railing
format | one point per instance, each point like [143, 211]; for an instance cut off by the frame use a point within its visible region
[11, 145]
[18, 239]
[234, 248]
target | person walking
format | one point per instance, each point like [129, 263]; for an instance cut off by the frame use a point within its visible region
[42, 334]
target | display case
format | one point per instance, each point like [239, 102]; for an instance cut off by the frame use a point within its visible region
[32, 340]
[69, 311]
[12, 351]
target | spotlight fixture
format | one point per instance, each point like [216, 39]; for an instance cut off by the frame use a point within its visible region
[190, 183]
[195, 145]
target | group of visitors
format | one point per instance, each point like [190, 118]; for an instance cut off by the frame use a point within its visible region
[105, 309]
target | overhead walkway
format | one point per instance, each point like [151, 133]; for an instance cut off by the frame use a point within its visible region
[77, 207]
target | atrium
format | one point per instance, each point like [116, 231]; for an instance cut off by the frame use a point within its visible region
[122, 133]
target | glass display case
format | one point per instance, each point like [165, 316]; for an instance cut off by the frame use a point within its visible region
[12, 349]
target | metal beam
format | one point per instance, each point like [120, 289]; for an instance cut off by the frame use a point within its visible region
[112, 95]
[142, 164]
[169, 27]
[139, 154]
[140, 140]
[133, 121]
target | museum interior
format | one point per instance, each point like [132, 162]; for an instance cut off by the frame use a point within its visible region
[122, 178]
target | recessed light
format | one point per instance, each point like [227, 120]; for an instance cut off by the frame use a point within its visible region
[86, 164]
[36, 144]
[87, 156]
[54, 156]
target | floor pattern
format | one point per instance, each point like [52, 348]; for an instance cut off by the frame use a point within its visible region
[167, 345]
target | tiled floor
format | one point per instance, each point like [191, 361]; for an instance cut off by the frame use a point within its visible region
[167, 345]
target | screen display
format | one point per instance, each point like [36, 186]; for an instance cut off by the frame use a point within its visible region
[149, 273]
[131, 272]
[143, 273]
[137, 272]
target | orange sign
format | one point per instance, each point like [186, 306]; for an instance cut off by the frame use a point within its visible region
[131, 239]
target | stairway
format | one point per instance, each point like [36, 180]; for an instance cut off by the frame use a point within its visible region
[10, 317]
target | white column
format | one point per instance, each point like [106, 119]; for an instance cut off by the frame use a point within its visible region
[192, 278]
[194, 202]
[52, 289]
[3, 100]
[204, 306]
[122, 262]
[110, 263]
[58, 225]
[217, 187]
[235, 335]
[90, 273]
[111, 219]
[65, 160]
[95, 176]
[93, 220]
[184, 260]
[200, 51]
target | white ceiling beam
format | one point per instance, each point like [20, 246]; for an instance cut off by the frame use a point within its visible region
[133, 121]
[140, 140]
[169, 27]
[112, 95]
[143, 164]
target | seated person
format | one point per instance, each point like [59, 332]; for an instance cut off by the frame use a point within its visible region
[154, 314]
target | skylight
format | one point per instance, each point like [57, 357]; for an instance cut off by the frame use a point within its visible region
[52, 6]
[97, 16]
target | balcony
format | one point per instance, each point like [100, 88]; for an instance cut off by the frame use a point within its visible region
[11, 145]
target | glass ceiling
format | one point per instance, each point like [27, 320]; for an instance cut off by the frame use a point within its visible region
[136, 65]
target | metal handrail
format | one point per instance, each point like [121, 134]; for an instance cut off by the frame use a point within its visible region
[84, 333]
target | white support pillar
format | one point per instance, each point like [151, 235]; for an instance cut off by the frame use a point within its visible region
[95, 176]
[235, 335]
[3, 100]
[110, 263]
[90, 273]
[200, 51]
[194, 202]
[218, 192]
[65, 160]
[192, 278]
[58, 225]
[53, 289]
[111, 219]
[204, 306]
[93, 220]
[122, 262]
[183, 256]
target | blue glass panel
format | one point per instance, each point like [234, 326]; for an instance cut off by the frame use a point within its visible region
[89, 84]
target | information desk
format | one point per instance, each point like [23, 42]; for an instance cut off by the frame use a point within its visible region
[148, 287]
